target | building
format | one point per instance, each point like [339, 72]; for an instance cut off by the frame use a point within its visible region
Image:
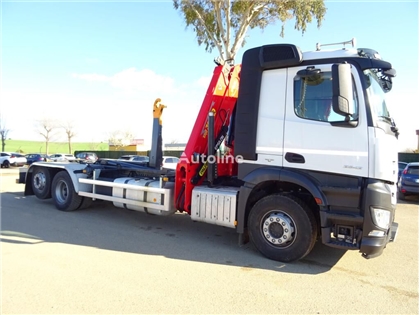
[134, 145]
[174, 146]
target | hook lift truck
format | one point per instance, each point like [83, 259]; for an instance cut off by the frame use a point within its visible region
[288, 148]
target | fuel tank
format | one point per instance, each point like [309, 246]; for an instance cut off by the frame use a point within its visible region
[145, 195]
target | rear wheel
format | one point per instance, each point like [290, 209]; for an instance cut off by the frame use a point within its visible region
[41, 182]
[6, 164]
[63, 193]
[282, 227]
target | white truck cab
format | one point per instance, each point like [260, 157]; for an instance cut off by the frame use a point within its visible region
[318, 126]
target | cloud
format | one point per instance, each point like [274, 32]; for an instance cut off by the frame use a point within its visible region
[133, 80]
[97, 113]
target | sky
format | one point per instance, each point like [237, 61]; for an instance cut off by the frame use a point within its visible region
[100, 65]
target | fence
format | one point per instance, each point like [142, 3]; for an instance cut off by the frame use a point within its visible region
[408, 157]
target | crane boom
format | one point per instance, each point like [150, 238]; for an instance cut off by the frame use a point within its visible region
[220, 99]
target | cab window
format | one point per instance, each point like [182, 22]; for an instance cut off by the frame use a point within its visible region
[313, 98]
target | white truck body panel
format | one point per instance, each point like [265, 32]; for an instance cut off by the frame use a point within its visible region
[384, 157]
[271, 113]
[330, 53]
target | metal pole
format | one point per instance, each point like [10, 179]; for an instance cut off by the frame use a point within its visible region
[210, 152]
[155, 155]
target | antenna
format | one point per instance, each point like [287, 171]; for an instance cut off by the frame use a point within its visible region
[352, 42]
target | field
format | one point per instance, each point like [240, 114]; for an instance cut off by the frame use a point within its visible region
[26, 147]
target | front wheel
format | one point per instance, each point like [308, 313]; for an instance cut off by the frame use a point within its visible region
[282, 228]
[63, 193]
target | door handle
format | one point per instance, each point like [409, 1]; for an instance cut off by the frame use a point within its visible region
[294, 158]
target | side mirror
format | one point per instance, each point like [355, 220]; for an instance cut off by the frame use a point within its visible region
[386, 79]
[390, 73]
[342, 86]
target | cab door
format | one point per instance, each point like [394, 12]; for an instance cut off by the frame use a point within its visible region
[315, 137]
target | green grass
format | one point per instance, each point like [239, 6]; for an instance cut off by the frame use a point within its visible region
[26, 147]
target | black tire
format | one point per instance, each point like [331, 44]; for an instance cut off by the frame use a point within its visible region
[6, 164]
[63, 193]
[282, 228]
[41, 182]
[86, 202]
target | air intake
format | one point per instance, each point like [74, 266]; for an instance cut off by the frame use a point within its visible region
[279, 56]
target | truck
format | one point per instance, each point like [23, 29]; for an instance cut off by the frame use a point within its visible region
[289, 148]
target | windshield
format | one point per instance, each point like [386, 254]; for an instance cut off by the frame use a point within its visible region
[376, 97]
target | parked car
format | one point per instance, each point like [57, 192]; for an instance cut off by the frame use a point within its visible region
[36, 157]
[401, 167]
[138, 158]
[170, 162]
[408, 183]
[11, 158]
[62, 157]
[88, 157]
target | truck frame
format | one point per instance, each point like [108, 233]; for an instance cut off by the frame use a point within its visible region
[288, 148]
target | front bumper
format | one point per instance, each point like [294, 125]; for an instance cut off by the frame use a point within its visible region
[374, 246]
[358, 230]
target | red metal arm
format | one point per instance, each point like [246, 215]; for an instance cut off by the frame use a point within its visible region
[221, 99]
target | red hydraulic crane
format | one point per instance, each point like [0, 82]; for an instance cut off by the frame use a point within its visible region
[220, 100]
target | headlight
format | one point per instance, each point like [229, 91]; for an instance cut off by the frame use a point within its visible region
[381, 217]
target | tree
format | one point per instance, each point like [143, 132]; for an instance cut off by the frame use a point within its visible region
[46, 127]
[223, 24]
[120, 138]
[3, 133]
[68, 127]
